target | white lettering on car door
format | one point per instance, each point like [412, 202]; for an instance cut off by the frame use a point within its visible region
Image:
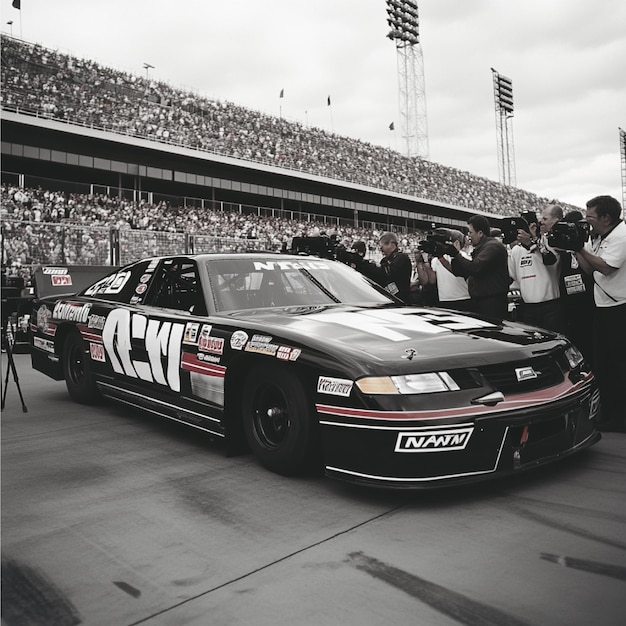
[161, 339]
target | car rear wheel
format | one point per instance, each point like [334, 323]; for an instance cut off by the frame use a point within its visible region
[278, 420]
[79, 378]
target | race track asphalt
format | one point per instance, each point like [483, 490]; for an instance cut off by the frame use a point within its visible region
[112, 516]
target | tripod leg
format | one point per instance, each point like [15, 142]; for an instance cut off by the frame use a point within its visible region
[13, 369]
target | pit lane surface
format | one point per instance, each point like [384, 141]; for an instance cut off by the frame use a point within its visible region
[112, 516]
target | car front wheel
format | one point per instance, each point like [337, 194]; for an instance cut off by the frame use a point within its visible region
[278, 420]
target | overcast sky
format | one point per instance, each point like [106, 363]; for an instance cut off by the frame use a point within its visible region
[567, 60]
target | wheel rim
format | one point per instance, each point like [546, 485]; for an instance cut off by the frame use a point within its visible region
[271, 417]
[75, 364]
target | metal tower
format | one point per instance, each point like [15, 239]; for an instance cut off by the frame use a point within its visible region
[403, 19]
[622, 152]
[503, 96]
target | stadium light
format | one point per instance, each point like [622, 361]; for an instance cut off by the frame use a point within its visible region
[148, 67]
[403, 19]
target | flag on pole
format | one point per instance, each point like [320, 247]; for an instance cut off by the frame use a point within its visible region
[392, 126]
[17, 4]
[328, 100]
[282, 93]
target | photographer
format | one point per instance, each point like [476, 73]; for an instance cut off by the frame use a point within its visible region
[358, 261]
[486, 272]
[575, 287]
[604, 257]
[394, 273]
[534, 267]
[452, 290]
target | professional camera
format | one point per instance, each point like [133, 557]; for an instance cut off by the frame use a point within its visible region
[569, 235]
[437, 245]
[324, 247]
[510, 225]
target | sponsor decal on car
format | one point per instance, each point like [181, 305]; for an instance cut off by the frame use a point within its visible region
[208, 358]
[163, 344]
[444, 440]
[213, 345]
[290, 265]
[140, 289]
[43, 317]
[96, 322]
[96, 350]
[287, 353]
[55, 270]
[334, 386]
[238, 340]
[261, 344]
[71, 312]
[191, 332]
[61, 280]
[109, 285]
[43, 344]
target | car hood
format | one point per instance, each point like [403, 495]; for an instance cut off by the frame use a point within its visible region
[405, 334]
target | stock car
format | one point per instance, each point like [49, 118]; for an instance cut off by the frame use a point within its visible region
[307, 362]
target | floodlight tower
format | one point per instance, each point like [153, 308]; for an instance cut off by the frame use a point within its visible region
[403, 18]
[622, 152]
[503, 96]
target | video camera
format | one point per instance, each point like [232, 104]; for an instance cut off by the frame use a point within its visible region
[511, 225]
[569, 235]
[325, 248]
[437, 245]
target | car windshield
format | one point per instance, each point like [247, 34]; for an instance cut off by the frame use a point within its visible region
[253, 283]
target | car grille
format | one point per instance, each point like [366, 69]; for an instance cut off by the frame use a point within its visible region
[547, 369]
[504, 377]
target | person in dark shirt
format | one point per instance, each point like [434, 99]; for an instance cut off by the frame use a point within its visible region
[394, 271]
[486, 272]
[576, 288]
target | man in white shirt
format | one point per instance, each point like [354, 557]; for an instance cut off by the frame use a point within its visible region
[452, 290]
[534, 267]
[604, 256]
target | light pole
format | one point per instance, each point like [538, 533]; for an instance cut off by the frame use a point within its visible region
[403, 19]
[148, 67]
[10, 25]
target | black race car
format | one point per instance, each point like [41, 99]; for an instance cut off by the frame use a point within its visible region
[308, 361]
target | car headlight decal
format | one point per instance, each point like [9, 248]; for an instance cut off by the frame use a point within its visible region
[430, 382]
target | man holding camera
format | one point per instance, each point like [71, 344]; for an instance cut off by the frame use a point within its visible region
[604, 257]
[486, 272]
[534, 266]
[452, 290]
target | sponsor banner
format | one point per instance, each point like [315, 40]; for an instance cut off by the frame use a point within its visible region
[441, 440]
[334, 386]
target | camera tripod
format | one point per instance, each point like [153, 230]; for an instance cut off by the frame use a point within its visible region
[7, 344]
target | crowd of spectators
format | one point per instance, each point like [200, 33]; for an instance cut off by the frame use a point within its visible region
[92, 216]
[49, 83]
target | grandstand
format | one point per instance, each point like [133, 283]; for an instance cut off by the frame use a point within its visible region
[86, 146]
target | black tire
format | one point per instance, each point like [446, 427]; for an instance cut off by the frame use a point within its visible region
[79, 377]
[278, 420]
